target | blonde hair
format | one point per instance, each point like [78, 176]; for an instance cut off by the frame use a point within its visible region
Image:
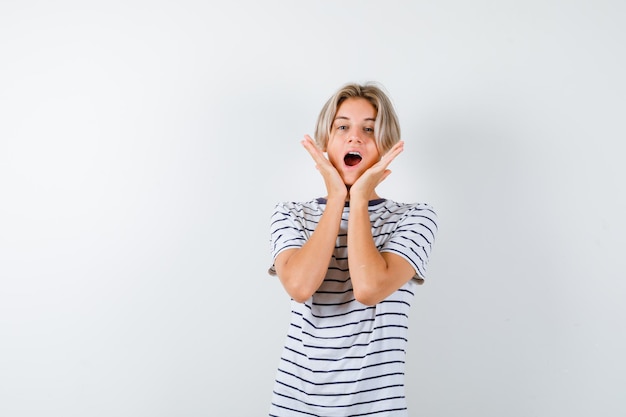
[386, 127]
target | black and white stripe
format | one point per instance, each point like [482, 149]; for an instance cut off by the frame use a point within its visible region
[342, 358]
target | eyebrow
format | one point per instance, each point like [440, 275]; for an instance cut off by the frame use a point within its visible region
[368, 119]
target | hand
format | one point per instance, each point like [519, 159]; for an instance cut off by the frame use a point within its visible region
[334, 183]
[364, 187]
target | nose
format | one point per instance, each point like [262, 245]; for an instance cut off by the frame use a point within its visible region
[354, 137]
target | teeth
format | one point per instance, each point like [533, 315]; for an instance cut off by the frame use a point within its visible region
[354, 153]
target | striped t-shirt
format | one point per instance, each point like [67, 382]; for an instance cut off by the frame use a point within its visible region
[343, 358]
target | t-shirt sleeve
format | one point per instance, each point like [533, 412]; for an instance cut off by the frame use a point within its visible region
[286, 231]
[413, 238]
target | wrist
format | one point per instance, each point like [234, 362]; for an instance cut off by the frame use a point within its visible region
[357, 197]
[340, 194]
[357, 201]
[335, 199]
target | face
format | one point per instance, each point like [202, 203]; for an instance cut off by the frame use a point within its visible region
[352, 146]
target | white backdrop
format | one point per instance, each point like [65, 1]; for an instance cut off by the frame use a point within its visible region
[143, 146]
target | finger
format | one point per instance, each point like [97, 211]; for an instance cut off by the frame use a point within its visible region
[312, 148]
[307, 142]
[395, 150]
[309, 139]
[322, 164]
[392, 154]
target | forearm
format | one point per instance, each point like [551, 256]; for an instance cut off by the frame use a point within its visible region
[303, 271]
[368, 268]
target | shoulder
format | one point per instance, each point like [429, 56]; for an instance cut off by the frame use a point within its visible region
[406, 214]
[311, 208]
[399, 206]
[424, 210]
[410, 209]
[300, 206]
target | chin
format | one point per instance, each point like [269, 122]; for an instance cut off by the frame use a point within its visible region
[349, 181]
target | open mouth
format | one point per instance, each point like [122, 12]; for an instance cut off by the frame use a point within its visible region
[352, 158]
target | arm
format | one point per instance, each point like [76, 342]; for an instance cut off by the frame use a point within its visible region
[301, 271]
[374, 275]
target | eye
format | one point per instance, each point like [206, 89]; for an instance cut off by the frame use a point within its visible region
[342, 127]
[369, 129]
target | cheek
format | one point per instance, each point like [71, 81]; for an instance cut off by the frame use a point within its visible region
[374, 150]
[338, 135]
